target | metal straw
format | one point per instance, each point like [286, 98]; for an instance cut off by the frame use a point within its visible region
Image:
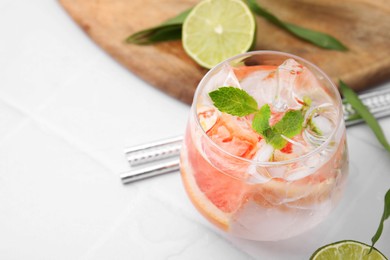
[148, 171]
[154, 151]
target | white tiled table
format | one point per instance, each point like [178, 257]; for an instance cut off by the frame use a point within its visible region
[67, 110]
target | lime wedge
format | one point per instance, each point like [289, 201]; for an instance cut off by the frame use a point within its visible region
[347, 249]
[218, 29]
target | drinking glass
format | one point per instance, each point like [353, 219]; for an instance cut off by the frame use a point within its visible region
[243, 185]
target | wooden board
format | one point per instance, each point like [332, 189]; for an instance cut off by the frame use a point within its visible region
[363, 25]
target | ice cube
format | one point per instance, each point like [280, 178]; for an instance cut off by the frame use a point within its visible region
[295, 148]
[299, 173]
[308, 85]
[323, 124]
[277, 171]
[320, 122]
[258, 174]
[263, 173]
[207, 116]
[218, 78]
[265, 153]
[286, 76]
[260, 85]
[277, 221]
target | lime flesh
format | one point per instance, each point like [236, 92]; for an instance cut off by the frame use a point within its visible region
[218, 29]
[347, 249]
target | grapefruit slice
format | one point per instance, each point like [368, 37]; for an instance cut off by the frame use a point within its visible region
[234, 135]
[202, 203]
[215, 184]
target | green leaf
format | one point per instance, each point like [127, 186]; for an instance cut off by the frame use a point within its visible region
[237, 102]
[291, 124]
[261, 125]
[353, 99]
[386, 215]
[171, 30]
[320, 39]
[167, 31]
[275, 139]
[155, 34]
[233, 101]
[260, 121]
[178, 19]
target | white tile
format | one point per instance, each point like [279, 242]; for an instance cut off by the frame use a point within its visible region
[57, 201]
[154, 230]
[211, 247]
[67, 109]
[110, 117]
[39, 55]
[364, 133]
[4, 5]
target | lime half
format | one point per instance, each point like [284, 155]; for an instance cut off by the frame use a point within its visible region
[347, 249]
[218, 29]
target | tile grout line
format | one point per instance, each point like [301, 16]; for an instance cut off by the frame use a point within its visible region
[97, 157]
[20, 126]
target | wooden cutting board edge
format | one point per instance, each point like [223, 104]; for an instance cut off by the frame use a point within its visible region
[187, 87]
[371, 76]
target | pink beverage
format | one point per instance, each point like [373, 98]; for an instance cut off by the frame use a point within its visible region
[252, 175]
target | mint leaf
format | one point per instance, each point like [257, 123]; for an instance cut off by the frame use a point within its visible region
[261, 125]
[386, 215]
[260, 121]
[353, 99]
[291, 124]
[233, 101]
[275, 139]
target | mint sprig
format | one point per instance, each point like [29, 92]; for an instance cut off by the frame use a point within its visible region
[234, 101]
[238, 102]
[289, 126]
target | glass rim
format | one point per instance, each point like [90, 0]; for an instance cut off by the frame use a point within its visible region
[339, 120]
